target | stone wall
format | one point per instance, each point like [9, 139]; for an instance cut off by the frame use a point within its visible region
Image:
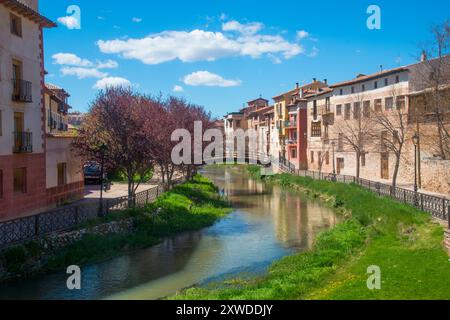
[59, 241]
[447, 240]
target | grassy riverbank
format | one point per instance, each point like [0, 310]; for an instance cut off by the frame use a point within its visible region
[190, 206]
[401, 240]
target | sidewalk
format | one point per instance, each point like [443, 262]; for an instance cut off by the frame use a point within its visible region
[410, 186]
[117, 190]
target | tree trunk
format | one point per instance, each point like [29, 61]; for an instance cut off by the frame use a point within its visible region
[358, 164]
[394, 176]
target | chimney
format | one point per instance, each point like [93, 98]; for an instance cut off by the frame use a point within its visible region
[314, 79]
[301, 94]
[381, 68]
[423, 57]
[297, 85]
[325, 81]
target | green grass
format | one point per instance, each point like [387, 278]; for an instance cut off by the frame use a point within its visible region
[401, 240]
[193, 205]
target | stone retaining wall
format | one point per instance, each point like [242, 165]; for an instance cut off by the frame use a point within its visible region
[59, 241]
[447, 240]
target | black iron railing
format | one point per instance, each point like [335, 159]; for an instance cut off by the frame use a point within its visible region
[23, 142]
[68, 217]
[22, 90]
[438, 207]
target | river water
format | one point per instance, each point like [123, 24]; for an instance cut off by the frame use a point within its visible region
[268, 222]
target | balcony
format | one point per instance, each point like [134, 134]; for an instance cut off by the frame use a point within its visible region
[21, 90]
[328, 118]
[290, 124]
[23, 142]
[290, 142]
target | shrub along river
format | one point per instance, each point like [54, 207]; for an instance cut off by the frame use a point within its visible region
[268, 223]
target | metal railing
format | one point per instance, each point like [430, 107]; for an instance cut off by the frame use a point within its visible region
[438, 207]
[68, 217]
[22, 90]
[23, 142]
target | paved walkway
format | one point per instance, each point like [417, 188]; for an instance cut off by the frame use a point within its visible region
[410, 186]
[117, 190]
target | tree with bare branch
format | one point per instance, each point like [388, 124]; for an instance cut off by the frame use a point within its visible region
[432, 80]
[390, 128]
[356, 127]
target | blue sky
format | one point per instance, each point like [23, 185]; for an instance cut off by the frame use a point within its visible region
[224, 53]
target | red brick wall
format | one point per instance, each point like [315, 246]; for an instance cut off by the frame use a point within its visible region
[34, 200]
[66, 193]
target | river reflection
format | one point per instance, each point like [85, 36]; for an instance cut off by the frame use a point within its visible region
[267, 224]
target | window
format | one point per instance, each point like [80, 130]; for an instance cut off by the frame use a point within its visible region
[341, 142]
[375, 85]
[319, 158]
[339, 110]
[315, 109]
[363, 87]
[353, 89]
[363, 159]
[316, 129]
[1, 127]
[20, 180]
[378, 105]
[62, 173]
[397, 79]
[366, 109]
[293, 153]
[401, 102]
[16, 25]
[386, 81]
[388, 103]
[1, 184]
[327, 157]
[347, 111]
[341, 92]
[312, 156]
[356, 110]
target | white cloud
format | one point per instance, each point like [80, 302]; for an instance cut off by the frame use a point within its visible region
[108, 64]
[199, 45]
[177, 88]
[110, 82]
[314, 52]
[302, 34]
[137, 20]
[70, 59]
[100, 18]
[223, 17]
[82, 68]
[206, 78]
[69, 21]
[82, 73]
[247, 29]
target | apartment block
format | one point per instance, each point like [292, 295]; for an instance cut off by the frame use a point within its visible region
[22, 121]
[64, 170]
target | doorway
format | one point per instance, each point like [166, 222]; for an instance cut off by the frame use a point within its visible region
[385, 165]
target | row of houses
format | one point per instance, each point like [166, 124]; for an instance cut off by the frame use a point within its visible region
[361, 124]
[38, 169]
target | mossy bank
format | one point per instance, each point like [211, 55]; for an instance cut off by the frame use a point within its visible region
[404, 242]
[190, 206]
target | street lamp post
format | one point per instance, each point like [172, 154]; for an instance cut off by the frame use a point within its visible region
[333, 145]
[415, 140]
[102, 151]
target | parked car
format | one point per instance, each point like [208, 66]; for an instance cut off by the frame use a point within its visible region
[92, 173]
